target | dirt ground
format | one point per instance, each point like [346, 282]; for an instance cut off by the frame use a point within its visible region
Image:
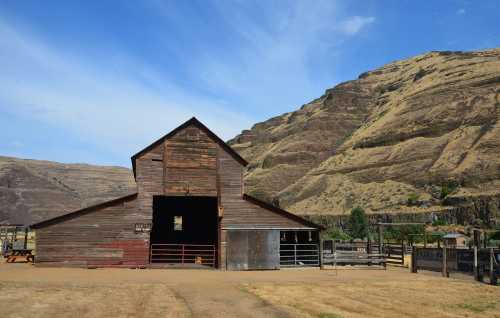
[27, 291]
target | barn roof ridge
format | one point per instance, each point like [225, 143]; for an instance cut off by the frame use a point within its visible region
[199, 124]
[80, 211]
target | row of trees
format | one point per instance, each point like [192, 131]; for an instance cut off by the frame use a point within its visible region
[358, 228]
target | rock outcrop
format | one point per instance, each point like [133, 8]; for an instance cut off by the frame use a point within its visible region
[395, 135]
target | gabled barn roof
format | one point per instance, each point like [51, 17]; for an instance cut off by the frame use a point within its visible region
[195, 122]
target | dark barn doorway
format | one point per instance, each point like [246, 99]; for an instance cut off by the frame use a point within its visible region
[185, 230]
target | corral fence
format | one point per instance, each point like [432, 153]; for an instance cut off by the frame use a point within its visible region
[299, 255]
[352, 253]
[477, 261]
[394, 253]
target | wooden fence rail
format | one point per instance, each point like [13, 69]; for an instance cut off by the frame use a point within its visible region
[479, 262]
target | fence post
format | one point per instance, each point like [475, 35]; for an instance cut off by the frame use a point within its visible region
[476, 269]
[444, 268]
[403, 252]
[369, 249]
[294, 254]
[493, 277]
[320, 254]
[380, 239]
[182, 257]
[414, 259]
[25, 238]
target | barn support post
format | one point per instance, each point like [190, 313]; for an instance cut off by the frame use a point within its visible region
[413, 259]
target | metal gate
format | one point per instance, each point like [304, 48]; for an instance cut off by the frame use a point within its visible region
[299, 255]
[183, 254]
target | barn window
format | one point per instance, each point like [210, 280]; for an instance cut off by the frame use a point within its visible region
[178, 223]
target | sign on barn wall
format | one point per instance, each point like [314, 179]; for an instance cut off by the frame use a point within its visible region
[142, 227]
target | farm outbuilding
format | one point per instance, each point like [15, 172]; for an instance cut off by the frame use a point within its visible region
[455, 240]
[190, 209]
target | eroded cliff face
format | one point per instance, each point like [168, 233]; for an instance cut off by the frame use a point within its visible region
[32, 190]
[397, 132]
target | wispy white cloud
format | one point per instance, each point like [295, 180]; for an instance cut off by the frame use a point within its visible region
[271, 69]
[120, 102]
[116, 110]
[461, 11]
[354, 24]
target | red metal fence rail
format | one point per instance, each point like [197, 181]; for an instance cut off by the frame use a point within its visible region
[183, 254]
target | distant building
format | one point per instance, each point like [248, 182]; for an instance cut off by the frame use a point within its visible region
[454, 240]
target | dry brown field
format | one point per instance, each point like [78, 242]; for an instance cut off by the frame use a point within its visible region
[27, 291]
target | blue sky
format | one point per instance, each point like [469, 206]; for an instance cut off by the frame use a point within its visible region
[96, 81]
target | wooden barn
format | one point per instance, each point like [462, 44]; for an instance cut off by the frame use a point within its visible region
[190, 209]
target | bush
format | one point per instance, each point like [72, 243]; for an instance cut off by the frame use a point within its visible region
[439, 222]
[447, 188]
[404, 232]
[358, 224]
[413, 199]
[335, 233]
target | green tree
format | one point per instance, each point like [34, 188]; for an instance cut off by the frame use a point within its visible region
[358, 223]
[336, 233]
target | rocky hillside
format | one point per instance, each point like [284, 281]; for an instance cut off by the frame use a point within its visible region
[32, 190]
[411, 136]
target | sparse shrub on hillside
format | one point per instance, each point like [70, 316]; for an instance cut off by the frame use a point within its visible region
[448, 187]
[413, 199]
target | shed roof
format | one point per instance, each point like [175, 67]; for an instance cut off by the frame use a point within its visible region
[282, 212]
[78, 212]
[197, 123]
[453, 235]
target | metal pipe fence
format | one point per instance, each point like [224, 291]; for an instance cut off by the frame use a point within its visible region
[299, 255]
[183, 254]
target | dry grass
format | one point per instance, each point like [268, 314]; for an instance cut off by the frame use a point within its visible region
[423, 296]
[88, 300]
[27, 291]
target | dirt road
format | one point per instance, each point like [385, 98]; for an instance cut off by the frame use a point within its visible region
[27, 291]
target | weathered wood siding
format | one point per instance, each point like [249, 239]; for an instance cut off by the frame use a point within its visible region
[190, 163]
[100, 237]
[149, 180]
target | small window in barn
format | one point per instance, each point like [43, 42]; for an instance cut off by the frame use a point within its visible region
[177, 223]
